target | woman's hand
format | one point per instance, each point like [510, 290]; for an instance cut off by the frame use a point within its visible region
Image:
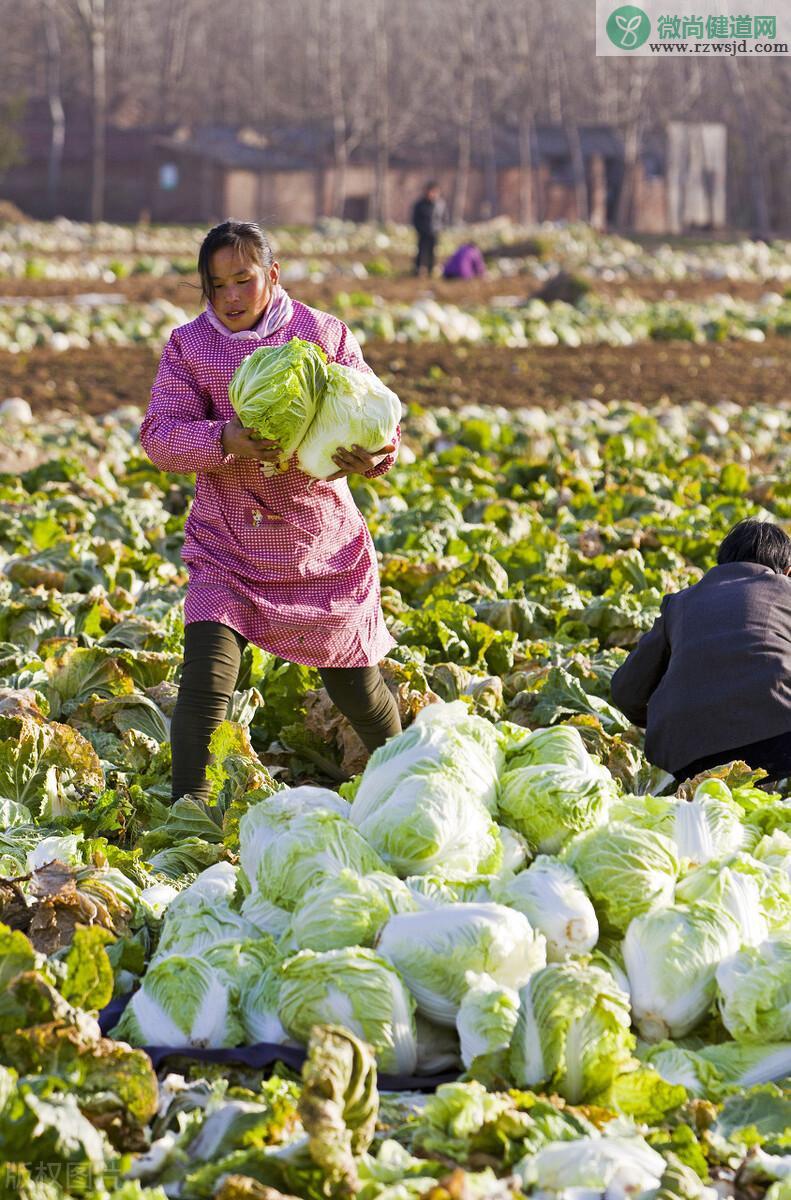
[357, 461]
[245, 443]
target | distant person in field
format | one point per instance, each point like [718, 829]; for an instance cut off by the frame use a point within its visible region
[283, 561]
[428, 218]
[711, 681]
[465, 263]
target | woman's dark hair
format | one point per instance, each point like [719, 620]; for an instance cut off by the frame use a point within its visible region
[758, 542]
[245, 236]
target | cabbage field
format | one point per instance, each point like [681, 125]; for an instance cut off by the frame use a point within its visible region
[504, 956]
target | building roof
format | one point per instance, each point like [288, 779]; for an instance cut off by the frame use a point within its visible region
[295, 147]
[302, 147]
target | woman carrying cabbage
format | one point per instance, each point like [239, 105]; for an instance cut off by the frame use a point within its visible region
[275, 556]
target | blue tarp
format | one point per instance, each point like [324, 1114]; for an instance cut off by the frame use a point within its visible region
[261, 1055]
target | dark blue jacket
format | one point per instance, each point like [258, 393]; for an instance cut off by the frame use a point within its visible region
[714, 672]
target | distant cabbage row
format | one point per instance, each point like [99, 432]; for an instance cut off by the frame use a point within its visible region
[41, 250]
[621, 322]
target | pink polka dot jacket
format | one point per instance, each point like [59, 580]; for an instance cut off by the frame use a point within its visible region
[286, 561]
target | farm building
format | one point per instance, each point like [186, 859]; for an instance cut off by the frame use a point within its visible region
[290, 175]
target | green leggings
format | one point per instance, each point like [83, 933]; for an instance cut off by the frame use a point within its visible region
[212, 657]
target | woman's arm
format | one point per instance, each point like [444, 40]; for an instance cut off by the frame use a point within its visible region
[349, 354]
[177, 433]
[636, 680]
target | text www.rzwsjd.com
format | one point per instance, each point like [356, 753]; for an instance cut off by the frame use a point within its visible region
[733, 48]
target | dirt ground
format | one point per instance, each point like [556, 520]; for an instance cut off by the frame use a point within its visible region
[101, 379]
[184, 290]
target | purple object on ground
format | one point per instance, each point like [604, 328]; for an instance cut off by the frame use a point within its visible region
[465, 263]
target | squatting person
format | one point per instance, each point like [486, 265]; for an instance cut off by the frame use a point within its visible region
[711, 681]
[285, 562]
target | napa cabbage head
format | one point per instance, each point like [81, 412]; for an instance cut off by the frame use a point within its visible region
[216, 884]
[774, 849]
[555, 903]
[486, 1018]
[710, 1072]
[431, 823]
[757, 894]
[573, 1033]
[283, 855]
[548, 803]
[445, 737]
[561, 744]
[276, 390]
[754, 991]
[435, 891]
[681, 1065]
[358, 989]
[710, 825]
[181, 1001]
[263, 824]
[671, 956]
[348, 910]
[241, 961]
[596, 1166]
[707, 827]
[434, 950]
[259, 994]
[193, 929]
[625, 870]
[356, 408]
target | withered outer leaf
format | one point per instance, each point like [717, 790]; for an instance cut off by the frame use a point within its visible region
[735, 774]
[339, 1103]
[324, 719]
[20, 702]
[62, 908]
[14, 909]
[30, 1000]
[111, 1079]
[53, 877]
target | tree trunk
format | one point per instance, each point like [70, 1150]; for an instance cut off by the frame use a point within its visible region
[466, 103]
[562, 110]
[382, 86]
[625, 215]
[92, 14]
[751, 137]
[491, 199]
[337, 106]
[526, 133]
[58, 132]
[176, 16]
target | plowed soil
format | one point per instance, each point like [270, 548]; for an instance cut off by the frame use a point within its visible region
[404, 288]
[100, 379]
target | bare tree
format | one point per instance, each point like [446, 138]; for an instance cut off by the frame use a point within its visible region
[633, 133]
[92, 15]
[176, 15]
[382, 90]
[750, 131]
[525, 122]
[55, 102]
[466, 99]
